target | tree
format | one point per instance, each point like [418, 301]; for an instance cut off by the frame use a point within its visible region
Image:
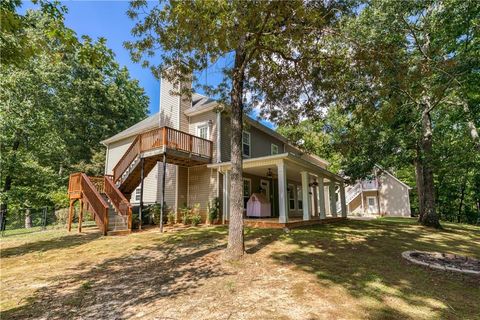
[55, 106]
[192, 34]
[393, 65]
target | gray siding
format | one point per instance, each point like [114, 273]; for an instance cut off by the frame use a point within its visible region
[205, 118]
[115, 153]
[202, 187]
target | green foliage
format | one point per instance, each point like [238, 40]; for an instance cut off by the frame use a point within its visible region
[185, 214]
[58, 100]
[171, 217]
[213, 209]
[195, 219]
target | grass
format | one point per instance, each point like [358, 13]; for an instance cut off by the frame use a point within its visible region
[349, 270]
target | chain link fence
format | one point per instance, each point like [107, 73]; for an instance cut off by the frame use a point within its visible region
[26, 220]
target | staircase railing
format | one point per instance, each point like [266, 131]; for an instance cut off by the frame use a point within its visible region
[119, 201]
[164, 136]
[80, 186]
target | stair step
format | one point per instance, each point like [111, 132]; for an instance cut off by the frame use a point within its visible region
[118, 232]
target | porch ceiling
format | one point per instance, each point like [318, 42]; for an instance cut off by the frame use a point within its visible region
[295, 165]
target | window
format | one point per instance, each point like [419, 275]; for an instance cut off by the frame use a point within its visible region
[137, 194]
[246, 143]
[274, 149]
[202, 131]
[247, 191]
[291, 197]
[300, 198]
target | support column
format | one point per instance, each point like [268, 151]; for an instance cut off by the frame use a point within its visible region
[321, 197]
[305, 196]
[162, 211]
[226, 196]
[140, 209]
[282, 192]
[315, 201]
[70, 215]
[343, 202]
[333, 202]
[80, 216]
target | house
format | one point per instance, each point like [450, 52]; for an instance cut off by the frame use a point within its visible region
[188, 142]
[381, 195]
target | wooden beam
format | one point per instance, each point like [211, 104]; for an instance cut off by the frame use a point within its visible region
[80, 216]
[70, 214]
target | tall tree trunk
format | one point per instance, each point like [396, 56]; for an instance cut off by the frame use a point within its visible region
[462, 197]
[235, 247]
[8, 184]
[429, 217]
[28, 218]
[471, 126]
[419, 183]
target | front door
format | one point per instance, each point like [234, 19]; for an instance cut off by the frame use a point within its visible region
[371, 205]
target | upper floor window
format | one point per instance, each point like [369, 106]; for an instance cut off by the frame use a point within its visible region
[202, 131]
[274, 149]
[246, 143]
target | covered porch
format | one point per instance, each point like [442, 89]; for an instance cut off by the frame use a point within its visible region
[299, 192]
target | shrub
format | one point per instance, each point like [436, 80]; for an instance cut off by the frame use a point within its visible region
[185, 214]
[195, 219]
[155, 211]
[213, 210]
[171, 217]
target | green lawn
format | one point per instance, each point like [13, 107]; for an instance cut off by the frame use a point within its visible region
[349, 270]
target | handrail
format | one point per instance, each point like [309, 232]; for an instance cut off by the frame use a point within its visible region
[96, 202]
[119, 201]
[159, 137]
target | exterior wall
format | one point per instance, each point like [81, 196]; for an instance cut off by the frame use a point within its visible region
[202, 188]
[355, 206]
[150, 188]
[182, 182]
[394, 197]
[204, 118]
[115, 153]
[260, 142]
[169, 104]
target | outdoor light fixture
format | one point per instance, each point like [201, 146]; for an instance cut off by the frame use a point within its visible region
[269, 173]
[313, 184]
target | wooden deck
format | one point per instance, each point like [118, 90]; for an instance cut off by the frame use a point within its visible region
[272, 223]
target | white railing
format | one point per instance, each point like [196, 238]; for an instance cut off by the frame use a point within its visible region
[369, 184]
[353, 192]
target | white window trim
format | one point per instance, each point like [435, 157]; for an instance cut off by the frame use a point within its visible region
[299, 195]
[294, 188]
[201, 125]
[249, 144]
[272, 147]
[138, 194]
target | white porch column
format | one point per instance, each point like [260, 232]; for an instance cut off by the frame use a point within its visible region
[226, 195]
[343, 202]
[333, 202]
[321, 197]
[282, 192]
[315, 201]
[305, 196]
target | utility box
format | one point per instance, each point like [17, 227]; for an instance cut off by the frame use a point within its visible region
[258, 206]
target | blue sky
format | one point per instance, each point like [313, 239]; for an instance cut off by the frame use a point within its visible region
[108, 19]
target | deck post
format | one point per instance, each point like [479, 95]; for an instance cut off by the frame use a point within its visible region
[321, 197]
[282, 192]
[343, 202]
[140, 209]
[162, 211]
[80, 216]
[333, 202]
[70, 215]
[305, 196]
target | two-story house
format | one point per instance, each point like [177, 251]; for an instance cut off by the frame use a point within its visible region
[191, 134]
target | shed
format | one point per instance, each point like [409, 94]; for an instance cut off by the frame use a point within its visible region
[258, 206]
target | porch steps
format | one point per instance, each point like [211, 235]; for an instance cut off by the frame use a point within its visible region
[116, 222]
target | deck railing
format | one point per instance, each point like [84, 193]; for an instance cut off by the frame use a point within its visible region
[80, 184]
[157, 138]
[118, 200]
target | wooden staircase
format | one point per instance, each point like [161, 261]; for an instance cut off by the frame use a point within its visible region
[107, 198]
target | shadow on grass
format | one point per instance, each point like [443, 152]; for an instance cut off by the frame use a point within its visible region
[364, 257]
[120, 288]
[68, 241]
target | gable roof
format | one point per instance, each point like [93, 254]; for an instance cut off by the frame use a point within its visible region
[393, 176]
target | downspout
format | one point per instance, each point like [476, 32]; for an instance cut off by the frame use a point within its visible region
[105, 170]
[219, 137]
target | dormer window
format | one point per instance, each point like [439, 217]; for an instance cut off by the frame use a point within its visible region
[246, 149]
[202, 131]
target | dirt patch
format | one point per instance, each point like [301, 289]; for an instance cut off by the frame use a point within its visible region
[445, 261]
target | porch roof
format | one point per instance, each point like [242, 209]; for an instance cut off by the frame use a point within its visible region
[289, 158]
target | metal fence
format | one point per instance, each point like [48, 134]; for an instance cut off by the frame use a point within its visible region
[26, 220]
